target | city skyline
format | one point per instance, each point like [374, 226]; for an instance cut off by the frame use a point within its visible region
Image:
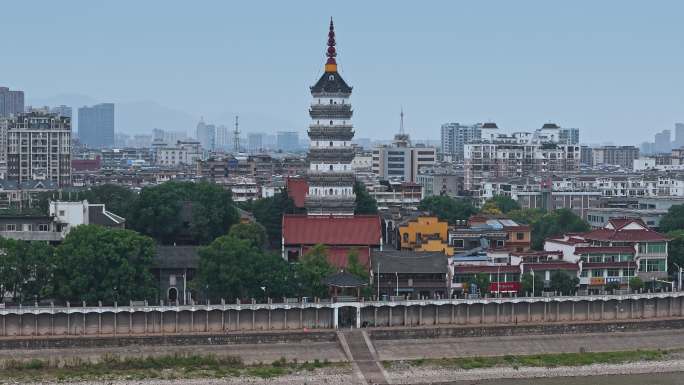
[604, 69]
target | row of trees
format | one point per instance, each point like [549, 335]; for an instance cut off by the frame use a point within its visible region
[93, 263]
[238, 266]
[184, 212]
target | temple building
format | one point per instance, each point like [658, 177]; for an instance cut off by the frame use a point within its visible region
[327, 191]
[330, 175]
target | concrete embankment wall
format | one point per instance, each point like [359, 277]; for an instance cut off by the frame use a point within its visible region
[221, 319]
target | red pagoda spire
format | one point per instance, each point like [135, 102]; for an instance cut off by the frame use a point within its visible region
[331, 64]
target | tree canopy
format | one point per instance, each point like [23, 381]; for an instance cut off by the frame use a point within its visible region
[500, 204]
[313, 267]
[673, 220]
[563, 282]
[365, 204]
[447, 208]
[96, 263]
[25, 269]
[254, 232]
[269, 213]
[232, 268]
[544, 225]
[184, 212]
[533, 284]
[675, 252]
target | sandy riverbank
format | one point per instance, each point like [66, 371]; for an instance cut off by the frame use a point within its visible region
[413, 375]
[436, 375]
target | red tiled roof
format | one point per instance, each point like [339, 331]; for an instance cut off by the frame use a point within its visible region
[485, 269]
[337, 256]
[297, 188]
[619, 223]
[607, 265]
[604, 250]
[542, 266]
[356, 230]
[625, 235]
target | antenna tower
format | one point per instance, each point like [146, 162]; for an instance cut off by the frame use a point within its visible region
[236, 137]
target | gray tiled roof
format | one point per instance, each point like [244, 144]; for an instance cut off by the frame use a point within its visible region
[176, 257]
[409, 262]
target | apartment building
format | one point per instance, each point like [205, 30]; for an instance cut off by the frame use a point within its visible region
[36, 146]
[519, 154]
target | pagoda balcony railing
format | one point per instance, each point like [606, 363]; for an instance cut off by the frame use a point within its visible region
[328, 126]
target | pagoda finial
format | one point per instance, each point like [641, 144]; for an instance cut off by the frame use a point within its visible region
[331, 64]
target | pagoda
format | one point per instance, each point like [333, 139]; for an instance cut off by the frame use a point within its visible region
[330, 176]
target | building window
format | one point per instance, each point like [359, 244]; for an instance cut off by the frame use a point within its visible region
[597, 273]
[43, 227]
[457, 243]
[11, 227]
[331, 143]
[331, 167]
[520, 236]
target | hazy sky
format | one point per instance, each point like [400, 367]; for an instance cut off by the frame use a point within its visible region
[615, 69]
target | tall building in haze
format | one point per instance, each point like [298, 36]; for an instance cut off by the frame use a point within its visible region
[455, 136]
[96, 125]
[287, 140]
[679, 135]
[11, 102]
[663, 142]
[206, 135]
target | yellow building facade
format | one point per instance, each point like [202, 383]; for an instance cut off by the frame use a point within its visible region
[425, 234]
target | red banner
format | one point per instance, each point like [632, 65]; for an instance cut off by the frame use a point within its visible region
[495, 287]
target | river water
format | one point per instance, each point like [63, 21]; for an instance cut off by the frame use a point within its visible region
[674, 378]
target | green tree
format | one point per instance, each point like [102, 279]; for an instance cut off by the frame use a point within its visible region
[118, 199]
[96, 263]
[355, 267]
[269, 213]
[253, 232]
[481, 280]
[365, 204]
[526, 216]
[448, 209]
[675, 250]
[25, 269]
[503, 203]
[526, 282]
[636, 284]
[563, 282]
[232, 268]
[184, 212]
[313, 267]
[673, 220]
[544, 225]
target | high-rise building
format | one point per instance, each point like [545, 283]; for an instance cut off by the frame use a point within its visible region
[287, 140]
[206, 135]
[62, 110]
[679, 135]
[168, 137]
[401, 161]
[222, 138]
[330, 176]
[11, 102]
[455, 135]
[255, 142]
[521, 154]
[96, 125]
[622, 156]
[37, 146]
[569, 135]
[663, 142]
